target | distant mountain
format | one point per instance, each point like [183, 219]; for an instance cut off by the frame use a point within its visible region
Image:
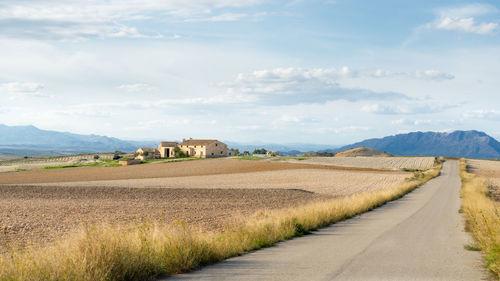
[29, 140]
[362, 151]
[468, 144]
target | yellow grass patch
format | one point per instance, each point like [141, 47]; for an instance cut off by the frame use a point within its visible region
[482, 217]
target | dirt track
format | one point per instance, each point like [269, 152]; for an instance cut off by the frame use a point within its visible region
[159, 170]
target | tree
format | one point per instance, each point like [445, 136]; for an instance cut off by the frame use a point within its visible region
[236, 151]
[246, 152]
[179, 153]
[260, 151]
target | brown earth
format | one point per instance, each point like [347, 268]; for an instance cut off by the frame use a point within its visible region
[32, 215]
[160, 170]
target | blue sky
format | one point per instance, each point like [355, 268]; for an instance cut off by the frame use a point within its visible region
[328, 72]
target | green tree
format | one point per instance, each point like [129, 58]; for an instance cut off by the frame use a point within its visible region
[236, 151]
[260, 151]
[179, 153]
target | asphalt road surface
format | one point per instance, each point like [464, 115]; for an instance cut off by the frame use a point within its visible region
[418, 237]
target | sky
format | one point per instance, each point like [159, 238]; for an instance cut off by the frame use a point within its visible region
[318, 71]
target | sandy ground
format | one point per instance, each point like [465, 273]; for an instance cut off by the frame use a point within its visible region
[421, 163]
[490, 170]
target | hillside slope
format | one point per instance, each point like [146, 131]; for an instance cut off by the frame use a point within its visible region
[362, 151]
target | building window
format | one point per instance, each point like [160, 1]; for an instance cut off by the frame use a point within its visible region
[212, 153]
[215, 144]
[221, 152]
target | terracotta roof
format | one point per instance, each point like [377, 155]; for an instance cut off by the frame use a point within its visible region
[197, 142]
[168, 143]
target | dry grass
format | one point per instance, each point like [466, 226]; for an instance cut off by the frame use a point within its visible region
[482, 217]
[147, 251]
[418, 163]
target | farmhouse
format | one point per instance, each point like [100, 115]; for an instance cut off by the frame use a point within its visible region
[203, 148]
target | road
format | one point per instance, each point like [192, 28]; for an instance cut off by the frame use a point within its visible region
[418, 237]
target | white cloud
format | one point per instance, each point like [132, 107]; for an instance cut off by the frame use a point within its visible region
[297, 85]
[139, 87]
[21, 90]
[410, 107]
[160, 104]
[407, 122]
[482, 114]
[465, 25]
[217, 18]
[435, 75]
[79, 19]
[430, 75]
[21, 87]
[464, 19]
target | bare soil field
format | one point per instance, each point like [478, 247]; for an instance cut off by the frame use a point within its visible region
[490, 170]
[160, 170]
[420, 163]
[32, 215]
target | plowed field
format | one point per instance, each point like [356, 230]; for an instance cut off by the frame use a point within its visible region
[420, 163]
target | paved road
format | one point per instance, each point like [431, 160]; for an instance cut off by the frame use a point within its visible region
[419, 237]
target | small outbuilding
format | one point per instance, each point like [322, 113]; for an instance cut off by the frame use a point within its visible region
[147, 153]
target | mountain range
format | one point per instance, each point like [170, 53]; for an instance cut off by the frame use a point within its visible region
[29, 140]
[468, 144]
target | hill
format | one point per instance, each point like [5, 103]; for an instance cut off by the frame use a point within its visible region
[29, 140]
[362, 151]
[469, 144]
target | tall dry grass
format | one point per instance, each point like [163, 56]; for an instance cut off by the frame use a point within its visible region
[482, 217]
[148, 251]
